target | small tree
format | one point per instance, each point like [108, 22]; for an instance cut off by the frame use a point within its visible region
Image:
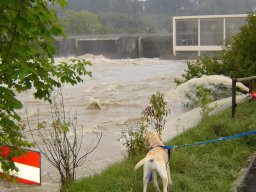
[60, 149]
[202, 99]
[154, 116]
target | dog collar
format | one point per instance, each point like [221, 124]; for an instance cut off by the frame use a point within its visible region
[153, 146]
[167, 148]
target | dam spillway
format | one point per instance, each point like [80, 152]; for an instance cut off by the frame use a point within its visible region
[129, 46]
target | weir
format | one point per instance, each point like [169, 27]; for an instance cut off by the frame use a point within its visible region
[67, 47]
[127, 47]
[132, 46]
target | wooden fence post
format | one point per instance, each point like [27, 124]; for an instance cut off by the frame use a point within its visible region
[233, 97]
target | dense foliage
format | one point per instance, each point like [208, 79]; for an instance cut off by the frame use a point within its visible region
[27, 31]
[171, 7]
[82, 23]
[122, 23]
[89, 23]
[159, 12]
[238, 56]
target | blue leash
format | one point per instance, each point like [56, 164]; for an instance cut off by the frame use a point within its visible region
[212, 141]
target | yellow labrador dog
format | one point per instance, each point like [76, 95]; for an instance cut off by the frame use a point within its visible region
[156, 161]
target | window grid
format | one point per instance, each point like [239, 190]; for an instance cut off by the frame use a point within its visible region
[205, 33]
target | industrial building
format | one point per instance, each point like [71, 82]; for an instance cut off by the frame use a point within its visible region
[204, 34]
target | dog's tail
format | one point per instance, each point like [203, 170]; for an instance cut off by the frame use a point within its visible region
[139, 164]
[142, 161]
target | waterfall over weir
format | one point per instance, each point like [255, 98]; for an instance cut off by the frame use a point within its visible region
[67, 47]
[116, 47]
[127, 47]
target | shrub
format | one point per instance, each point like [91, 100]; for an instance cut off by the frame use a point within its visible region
[154, 117]
[202, 99]
[155, 114]
[202, 66]
[53, 140]
[133, 139]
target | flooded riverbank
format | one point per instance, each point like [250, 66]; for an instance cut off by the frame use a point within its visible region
[113, 97]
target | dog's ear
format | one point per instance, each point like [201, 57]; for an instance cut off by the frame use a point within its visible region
[145, 138]
[160, 136]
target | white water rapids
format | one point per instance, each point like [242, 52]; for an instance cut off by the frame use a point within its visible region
[114, 96]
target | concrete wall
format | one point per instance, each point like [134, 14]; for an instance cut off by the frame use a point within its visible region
[118, 47]
[157, 46]
[104, 47]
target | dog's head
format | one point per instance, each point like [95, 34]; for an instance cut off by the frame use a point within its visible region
[151, 138]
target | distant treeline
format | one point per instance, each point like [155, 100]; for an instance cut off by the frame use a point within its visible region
[133, 16]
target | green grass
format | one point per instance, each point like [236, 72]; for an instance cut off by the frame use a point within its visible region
[205, 168]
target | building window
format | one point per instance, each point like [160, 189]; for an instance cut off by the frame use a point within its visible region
[233, 26]
[211, 31]
[187, 32]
